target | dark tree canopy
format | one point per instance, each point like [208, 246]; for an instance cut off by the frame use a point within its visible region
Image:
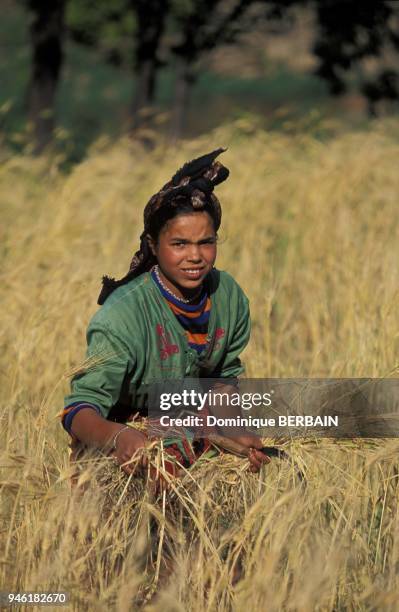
[107, 25]
[350, 32]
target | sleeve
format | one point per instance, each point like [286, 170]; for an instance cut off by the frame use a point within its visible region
[98, 385]
[231, 366]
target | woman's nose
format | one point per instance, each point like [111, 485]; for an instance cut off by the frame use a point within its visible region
[194, 254]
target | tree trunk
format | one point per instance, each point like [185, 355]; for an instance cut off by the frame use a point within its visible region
[151, 16]
[185, 78]
[145, 90]
[47, 34]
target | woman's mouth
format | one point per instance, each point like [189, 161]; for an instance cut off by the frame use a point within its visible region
[193, 273]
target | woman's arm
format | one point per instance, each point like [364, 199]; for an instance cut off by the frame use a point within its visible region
[99, 385]
[92, 429]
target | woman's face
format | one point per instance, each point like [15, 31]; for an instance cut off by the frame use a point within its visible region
[186, 252]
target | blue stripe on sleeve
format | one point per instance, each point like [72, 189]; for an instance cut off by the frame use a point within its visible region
[67, 420]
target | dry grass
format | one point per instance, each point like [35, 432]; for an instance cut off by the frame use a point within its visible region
[310, 230]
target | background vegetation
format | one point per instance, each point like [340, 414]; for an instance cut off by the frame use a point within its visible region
[73, 71]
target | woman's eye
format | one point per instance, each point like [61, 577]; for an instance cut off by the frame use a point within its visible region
[183, 244]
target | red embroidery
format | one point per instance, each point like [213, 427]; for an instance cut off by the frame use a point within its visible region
[166, 348]
[219, 333]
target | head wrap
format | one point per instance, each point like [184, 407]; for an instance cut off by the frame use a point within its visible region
[195, 182]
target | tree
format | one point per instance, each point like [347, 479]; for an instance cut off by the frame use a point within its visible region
[203, 24]
[349, 33]
[108, 26]
[125, 33]
[47, 35]
[150, 19]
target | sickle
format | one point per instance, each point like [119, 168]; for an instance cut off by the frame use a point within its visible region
[235, 448]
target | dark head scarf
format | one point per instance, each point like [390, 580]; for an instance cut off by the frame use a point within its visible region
[195, 182]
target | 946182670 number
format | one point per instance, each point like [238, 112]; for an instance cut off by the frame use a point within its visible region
[41, 598]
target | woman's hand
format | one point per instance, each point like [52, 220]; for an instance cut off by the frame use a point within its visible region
[129, 445]
[255, 457]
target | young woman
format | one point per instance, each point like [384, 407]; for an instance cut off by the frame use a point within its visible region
[174, 315]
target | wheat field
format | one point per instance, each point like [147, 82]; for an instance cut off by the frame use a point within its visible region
[310, 230]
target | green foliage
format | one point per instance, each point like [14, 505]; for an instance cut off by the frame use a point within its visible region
[349, 33]
[182, 8]
[109, 26]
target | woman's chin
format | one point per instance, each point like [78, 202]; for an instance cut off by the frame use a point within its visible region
[190, 286]
[193, 278]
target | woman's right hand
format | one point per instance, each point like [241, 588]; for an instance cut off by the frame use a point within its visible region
[129, 445]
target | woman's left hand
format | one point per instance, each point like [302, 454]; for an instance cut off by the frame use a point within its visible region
[255, 457]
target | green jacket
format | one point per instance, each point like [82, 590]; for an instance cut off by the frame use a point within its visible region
[134, 340]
